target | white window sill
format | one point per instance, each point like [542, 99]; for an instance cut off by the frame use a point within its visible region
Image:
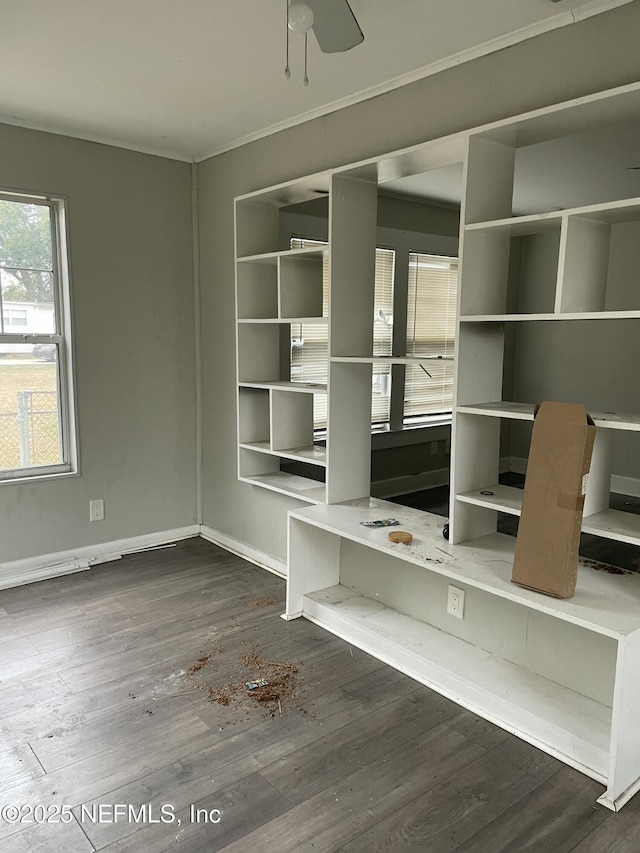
[436, 428]
[18, 478]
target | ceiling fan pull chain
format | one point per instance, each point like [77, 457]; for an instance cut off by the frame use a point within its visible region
[287, 70]
[305, 79]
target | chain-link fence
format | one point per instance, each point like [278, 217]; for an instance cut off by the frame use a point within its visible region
[9, 441]
[31, 436]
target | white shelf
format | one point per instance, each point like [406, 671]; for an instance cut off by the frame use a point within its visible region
[610, 523]
[272, 257]
[614, 524]
[524, 412]
[282, 385]
[390, 359]
[623, 210]
[571, 726]
[520, 225]
[603, 603]
[310, 491]
[500, 409]
[312, 455]
[283, 320]
[573, 315]
[502, 498]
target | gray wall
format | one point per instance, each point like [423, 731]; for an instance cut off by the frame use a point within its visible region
[589, 56]
[132, 288]
[595, 363]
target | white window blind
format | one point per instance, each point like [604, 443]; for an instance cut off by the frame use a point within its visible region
[309, 341]
[431, 324]
[382, 335]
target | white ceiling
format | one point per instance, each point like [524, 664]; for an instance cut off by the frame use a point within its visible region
[188, 78]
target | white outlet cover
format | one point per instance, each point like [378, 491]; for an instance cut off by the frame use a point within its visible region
[455, 602]
[96, 510]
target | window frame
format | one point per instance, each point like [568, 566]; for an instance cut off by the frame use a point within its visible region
[62, 337]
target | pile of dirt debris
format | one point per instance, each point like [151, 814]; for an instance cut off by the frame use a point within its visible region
[265, 683]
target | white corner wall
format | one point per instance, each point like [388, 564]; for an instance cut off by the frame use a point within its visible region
[592, 55]
[132, 290]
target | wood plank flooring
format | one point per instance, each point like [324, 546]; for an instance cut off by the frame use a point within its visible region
[97, 708]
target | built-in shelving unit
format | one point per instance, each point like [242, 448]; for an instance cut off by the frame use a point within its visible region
[275, 427]
[496, 292]
[598, 519]
[560, 674]
[275, 289]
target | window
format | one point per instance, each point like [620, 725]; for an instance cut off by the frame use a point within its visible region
[382, 334]
[309, 341]
[35, 390]
[430, 331]
[310, 344]
[431, 328]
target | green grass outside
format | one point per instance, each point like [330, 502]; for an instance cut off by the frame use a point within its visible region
[14, 379]
[17, 377]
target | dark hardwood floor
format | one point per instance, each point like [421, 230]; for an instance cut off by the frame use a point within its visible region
[97, 708]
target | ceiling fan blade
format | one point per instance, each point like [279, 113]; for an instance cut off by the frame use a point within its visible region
[335, 26]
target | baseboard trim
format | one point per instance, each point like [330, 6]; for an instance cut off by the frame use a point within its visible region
[619, 484]
[247, 552]
[410, 483]
[625, 485]
[32, 569]
[517, 464]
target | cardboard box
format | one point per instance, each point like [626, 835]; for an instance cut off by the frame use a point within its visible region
[546, 557]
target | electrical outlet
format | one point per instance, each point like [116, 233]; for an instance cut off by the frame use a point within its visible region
[434, 448]
[455, 602]
[96, 510]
